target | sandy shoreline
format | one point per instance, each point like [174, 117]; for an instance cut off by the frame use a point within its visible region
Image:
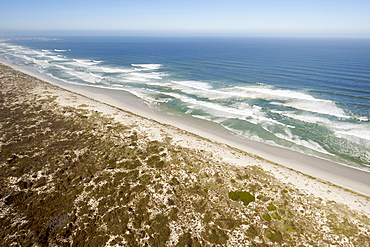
[76, 170]
[347, 177]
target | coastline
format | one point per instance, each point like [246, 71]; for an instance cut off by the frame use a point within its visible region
[76, 170]
[348, 177]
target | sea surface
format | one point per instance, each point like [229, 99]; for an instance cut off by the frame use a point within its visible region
[305, 94]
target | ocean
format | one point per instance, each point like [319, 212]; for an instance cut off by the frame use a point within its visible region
[304, 94]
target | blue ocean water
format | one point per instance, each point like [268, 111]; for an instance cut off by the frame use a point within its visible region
[308, 95]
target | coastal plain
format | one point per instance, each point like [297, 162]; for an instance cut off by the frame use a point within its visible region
[75, 171]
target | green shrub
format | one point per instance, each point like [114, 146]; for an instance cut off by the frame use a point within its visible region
[266, 217]
[271, 207]
[244, 196]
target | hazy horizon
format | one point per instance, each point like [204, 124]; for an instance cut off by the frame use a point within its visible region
[287, 18]
[83, 33]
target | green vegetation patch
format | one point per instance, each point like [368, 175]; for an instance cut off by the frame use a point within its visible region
[266, 217]
[244, 196]
[67, 170]
[271, 207]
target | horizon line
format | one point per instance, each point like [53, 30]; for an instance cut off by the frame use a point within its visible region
[174, 33]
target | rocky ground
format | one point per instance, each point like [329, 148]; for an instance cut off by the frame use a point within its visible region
[72, 175]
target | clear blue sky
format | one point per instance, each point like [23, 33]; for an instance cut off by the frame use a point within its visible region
[257, 17]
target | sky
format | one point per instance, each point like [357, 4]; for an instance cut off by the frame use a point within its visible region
[349, 18]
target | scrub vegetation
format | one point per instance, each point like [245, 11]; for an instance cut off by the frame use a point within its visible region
[72, 176]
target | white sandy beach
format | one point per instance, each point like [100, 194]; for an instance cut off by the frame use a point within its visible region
[81, 166]
[288, 166]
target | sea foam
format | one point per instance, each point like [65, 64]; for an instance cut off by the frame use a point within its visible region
[299, 119]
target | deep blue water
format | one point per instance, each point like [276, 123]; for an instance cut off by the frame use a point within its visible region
[309, 95]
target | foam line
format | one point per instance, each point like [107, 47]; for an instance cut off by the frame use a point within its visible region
[147, 66]
[86, 62]
[114, 70]
[322, 107]
[274, 110]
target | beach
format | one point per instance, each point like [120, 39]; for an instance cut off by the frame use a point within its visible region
[302, 99]
[123, 173]
[351, 178]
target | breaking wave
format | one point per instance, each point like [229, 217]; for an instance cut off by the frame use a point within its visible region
[291, 118]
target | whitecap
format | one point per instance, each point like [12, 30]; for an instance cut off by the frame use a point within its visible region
[141, 76]
[86, 62]
[357, 131]
[114, 70]
[308, 118]
[321, 107]
[42, 63]
[364, 119]
[310, 144]
[271, 93]
[147, 66]
[240, 111]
